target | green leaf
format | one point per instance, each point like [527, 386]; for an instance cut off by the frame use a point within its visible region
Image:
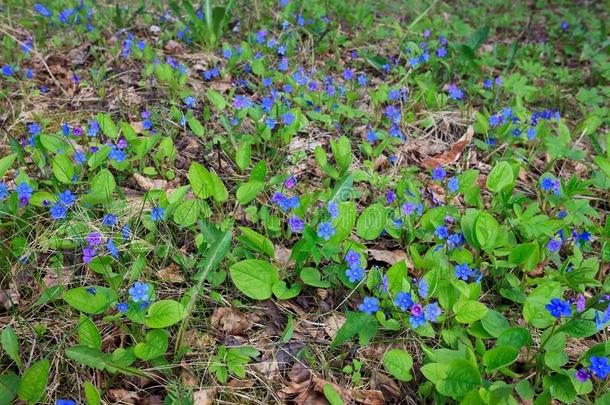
[102, 187]
[356, 323]
[499, 357]
[487, 230]
[256, 241]
[84, 301]
[6, 162]
[282, 292]
[461, 377]
[8, 387]
[200, 180]
[579, 328]
[155, 345]
[343, 189]
[195, 126]
[602, 162]
[561, 388]
[164, 313]
[107, 126]
[526, 254]
[332, 395]
[494, 323]
[255, 278]
[398, 363]
[371, 222]
[92, 395]
[500, 177]
[217, 99]
[469, 311]
[344, 222]
[249, 190]
[516, 337]
[99, 157]
[34, 381]
[312, 277]
[10, 344]
[187, 212]
[534, 311]
[219, 191]
[88, 334]
[63, 169]
[101, 361]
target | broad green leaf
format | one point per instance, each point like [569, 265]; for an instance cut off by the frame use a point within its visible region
[487, 230]
[63, 168]
[249, 190]
[187, 213]
[516, 337]
[254, 278]
[195, 126]
[219, 191]
[500, 177]
[92, 395]
[332, 395]
[256, 241]
[494, 323]
[371, 222]
[101, 361]
[398, 363]
[95, 301]
[200, 180]
[526, 254]
[88, 334]
[469, 311]
[357, 323]
[343, 189]
[561, 388]
[579, 328]
[312, 277]
[164, 313]
[217, 99]
[534, 311]
[499, 357]
[10, 344]
[99, 156]
[107, 126]
[461, 378]
[9, 382]
[34, 382]
[344, 223]
[282, 292]
[155, 345]
[102, 187]
[6, 162]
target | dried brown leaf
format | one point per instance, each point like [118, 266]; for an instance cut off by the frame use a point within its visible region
[149, 184]
[171, 274]
[453, 154]
[230, 320]
[333, 323]
[204, 397]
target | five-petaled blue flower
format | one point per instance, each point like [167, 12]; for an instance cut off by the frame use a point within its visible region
[599, 366]
[325, 230]
[370, 305]
[403, 301]
[157, 214]
[139, 291]
[559, 308]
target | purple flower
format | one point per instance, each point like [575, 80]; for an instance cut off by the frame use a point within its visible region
[390, 197]
[553, 245]
[122, 307]
[58, 211]
[94, 238]
[408, 208]
[296, 224]
[417, 309]
[352, 258]
[288, 119]
[88, 254]
[463, 271]
[290, 182]
[580, 303]
[582, 375]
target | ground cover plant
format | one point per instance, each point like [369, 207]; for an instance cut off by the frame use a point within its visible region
[304, 202]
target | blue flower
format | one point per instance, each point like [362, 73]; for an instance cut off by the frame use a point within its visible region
[109, 219]
[91, 291]
[422, 288]
[455, 240]
[530, 133]
[7, 70]
[117, 154]
[325, 230]
[157, 214]
[40, 9]
[453, 184]
[24, 190]
[296, 224]
[126, 232]
[441, 52]
[355, 274]
[139, 291]
[34, 129]
[559, 308]
[348, 74]
[463, 271]
[417, 320]
[438, 173]
[58, 211]
[353, 258]
[122, 307]
[553, 245]
[599, 366]
[64, 401]
[403, 301]
[432, 312]
[190, 101]
[3, 190]
[333, 210]
[79, 157]
[288, 119]
[371, 136]
[67, 197]
[455, 93]
[370, 305]
[441, 232]
[227, 53]
[112, 249]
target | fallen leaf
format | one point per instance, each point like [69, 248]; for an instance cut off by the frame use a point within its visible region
[149, 184]
[230, 320]
[204, 397]
[387, 386]
[369, 397]
[122, 396]
[333, 323]
[452, 154]
[9, 297]
[171, 274]
[282, 255]
[388, 256]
